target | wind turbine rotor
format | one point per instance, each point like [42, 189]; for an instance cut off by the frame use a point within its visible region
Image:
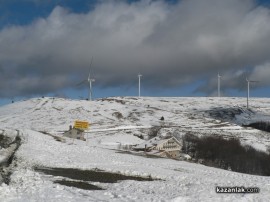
[89, 80]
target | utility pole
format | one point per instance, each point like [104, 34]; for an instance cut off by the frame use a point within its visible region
[139, 76]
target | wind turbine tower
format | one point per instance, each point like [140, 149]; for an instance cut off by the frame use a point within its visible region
[219, 85]
[90, 80]
[248, 84]
[139, 76]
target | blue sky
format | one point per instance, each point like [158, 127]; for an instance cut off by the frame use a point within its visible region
[178, 46]
[25, 11]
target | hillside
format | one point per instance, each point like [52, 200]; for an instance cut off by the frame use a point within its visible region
[200, 116]
[122, 120]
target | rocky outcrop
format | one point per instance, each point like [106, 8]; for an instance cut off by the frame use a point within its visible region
[9, 143]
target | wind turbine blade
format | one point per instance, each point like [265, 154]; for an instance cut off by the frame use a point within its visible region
[90, 66]
[82, 82]
[254, 81]
[89, 74]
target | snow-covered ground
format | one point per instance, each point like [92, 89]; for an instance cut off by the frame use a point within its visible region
[119, 121]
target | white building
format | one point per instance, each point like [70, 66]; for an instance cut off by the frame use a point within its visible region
[75, 133]
[169, 147]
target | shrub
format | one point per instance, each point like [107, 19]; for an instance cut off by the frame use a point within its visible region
[227, 154]
[264, 126]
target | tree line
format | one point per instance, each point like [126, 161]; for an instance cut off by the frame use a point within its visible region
[227, 154]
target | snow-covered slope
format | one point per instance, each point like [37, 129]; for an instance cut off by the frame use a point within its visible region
[200, 116]
[120, 120]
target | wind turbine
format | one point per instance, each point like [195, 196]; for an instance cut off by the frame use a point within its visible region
[248, 82]
[139, 76]
[89, 80]
[219, 84]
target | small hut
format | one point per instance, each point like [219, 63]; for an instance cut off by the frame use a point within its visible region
[75, 133]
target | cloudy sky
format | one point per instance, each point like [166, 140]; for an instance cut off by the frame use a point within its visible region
[179, 47]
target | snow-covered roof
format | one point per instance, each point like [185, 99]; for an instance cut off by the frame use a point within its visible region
[154, 142]
[155, 152]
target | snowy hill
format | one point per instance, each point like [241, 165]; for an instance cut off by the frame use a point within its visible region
[201, 116]
[122, 120]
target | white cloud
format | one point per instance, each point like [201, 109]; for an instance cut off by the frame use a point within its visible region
[171, 44]
[261, 73]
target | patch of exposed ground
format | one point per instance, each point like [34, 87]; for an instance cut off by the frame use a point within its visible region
[90, 175]
[78, 184]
